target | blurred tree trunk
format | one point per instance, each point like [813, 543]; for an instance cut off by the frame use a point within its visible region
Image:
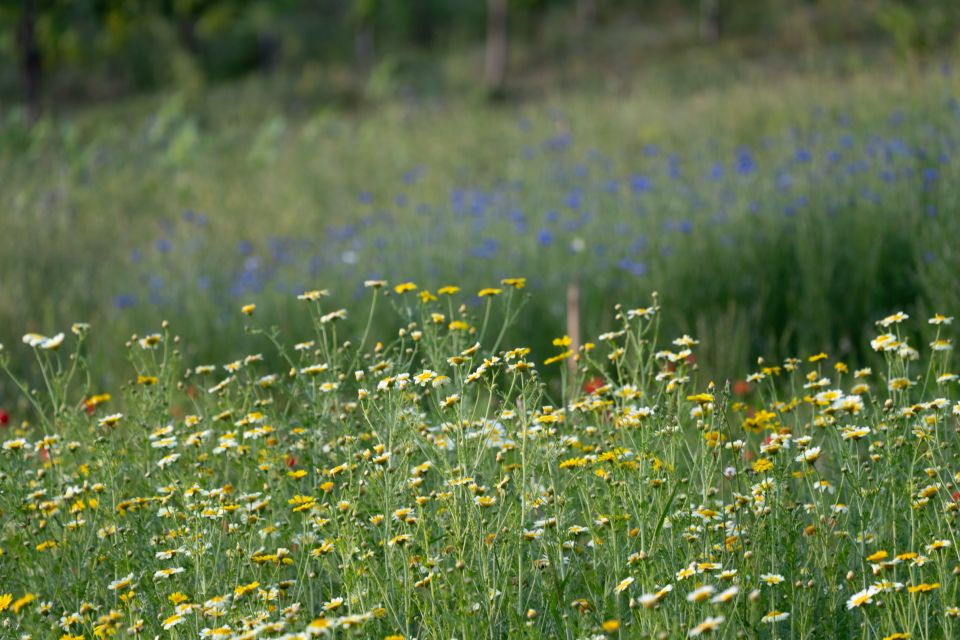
[187, 33]
[424, 30]
[711, 20]
[587, 13]
[363, 47]
[495, 73]
[268, 47]
[31, 59]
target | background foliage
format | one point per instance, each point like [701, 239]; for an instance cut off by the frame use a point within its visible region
[93, 50]
[782, 179]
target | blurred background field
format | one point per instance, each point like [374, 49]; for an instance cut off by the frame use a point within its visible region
[783, 172]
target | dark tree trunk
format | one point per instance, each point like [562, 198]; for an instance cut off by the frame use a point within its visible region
[31, 60]
[363, 47]
[586, 13]
[424, 30]
[268, 46]
[495, 75]
[187, 32]
[711, 20]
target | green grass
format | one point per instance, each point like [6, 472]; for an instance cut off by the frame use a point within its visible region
[84, 191]
[416, 485]
[810, 195]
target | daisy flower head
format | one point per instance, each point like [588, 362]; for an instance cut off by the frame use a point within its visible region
[623, 585]
[862, 597]
[774, 616]
[771, 579]
[809, 455]
[709, 625]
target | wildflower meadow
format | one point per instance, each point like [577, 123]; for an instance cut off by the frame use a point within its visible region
[479, 319]
[438, 482]
[770, 222]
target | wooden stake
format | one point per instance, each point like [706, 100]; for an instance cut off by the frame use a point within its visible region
[573, 324]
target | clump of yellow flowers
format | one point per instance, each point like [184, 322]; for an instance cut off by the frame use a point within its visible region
[439, 483]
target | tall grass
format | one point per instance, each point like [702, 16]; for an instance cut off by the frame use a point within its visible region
[787, 215]
[426, 482]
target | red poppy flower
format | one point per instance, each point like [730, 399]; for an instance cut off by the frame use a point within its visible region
[4, 418]
[592, 384]
[690, 359]
[741, 388]
[291, 462]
